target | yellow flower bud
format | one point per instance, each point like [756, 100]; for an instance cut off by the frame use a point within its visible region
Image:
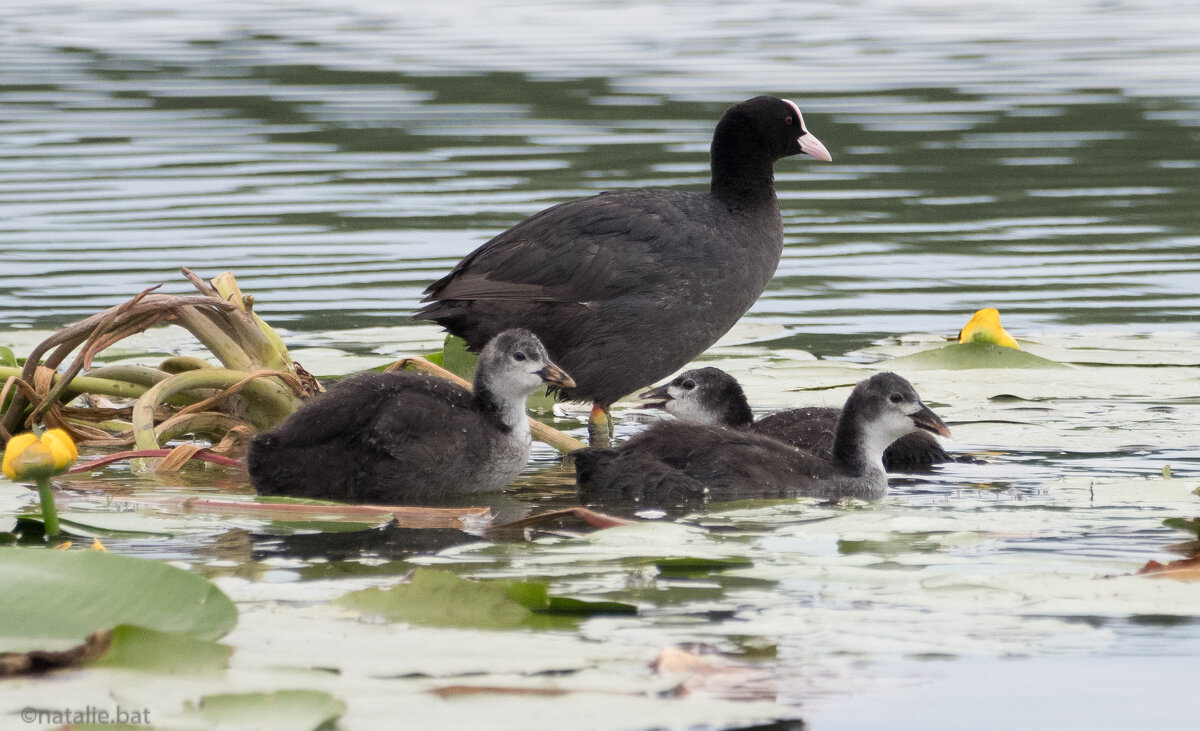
[26, 457]
[15, 446]
[985, 327]
[62, 447]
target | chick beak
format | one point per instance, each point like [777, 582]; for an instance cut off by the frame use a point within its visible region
[929, 421]
[655, 398]
[555, 376]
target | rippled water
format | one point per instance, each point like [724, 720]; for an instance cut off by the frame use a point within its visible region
[1040, 158]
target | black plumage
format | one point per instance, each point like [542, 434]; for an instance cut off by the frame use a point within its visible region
[408, 437]
[627, 286]
[712, 396]
[679, 464]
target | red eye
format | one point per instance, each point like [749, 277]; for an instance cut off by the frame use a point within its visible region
[788, 120]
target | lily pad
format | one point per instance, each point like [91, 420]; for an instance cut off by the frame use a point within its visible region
[138, 648]
[442, 599]
[690, 566]
[567, 605]
[55, 599]
[281, 709]
[1191, 525]
[961, 356]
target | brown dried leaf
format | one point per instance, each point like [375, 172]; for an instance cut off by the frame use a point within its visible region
[1185, 569]
[42, 661]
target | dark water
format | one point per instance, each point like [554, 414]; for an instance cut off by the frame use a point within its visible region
[1044, 162]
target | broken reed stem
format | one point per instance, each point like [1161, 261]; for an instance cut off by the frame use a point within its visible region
[542, 432]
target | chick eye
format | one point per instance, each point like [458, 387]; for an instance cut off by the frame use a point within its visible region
[788, 120]
[895, 398]
[689, 385]
[519, 356]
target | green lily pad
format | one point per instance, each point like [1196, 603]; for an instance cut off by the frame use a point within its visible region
[567, 605]
[286, 500]
[457, 359]
[442, 599]
[127, 524]
[689, 565]
[323, 526]
[1191, 525]
[138, 648]
[961, 356]
[52, 600]
[281, 709]
[895, 544]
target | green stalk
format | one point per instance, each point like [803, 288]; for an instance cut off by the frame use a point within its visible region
[255, 335]
[219, 343]
[49, 512]
[88, 384]
[269, 401]
[145, 376]
[207, 423]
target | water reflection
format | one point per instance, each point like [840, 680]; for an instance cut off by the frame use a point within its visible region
[337, 180]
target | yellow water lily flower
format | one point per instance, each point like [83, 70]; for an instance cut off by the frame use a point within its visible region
[28, 457]
[984, 327]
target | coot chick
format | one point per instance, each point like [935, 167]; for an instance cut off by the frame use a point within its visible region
[712, 396]
[626, 286]
[407, 437]
[673, 463]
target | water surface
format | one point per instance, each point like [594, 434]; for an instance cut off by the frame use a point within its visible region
[339, 158]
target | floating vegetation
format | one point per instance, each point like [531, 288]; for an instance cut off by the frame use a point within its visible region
[146, 407]
[257, 386]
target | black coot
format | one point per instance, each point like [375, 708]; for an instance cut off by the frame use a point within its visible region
[678, 463]
[627, 286]
[406, 437]
[712, 396]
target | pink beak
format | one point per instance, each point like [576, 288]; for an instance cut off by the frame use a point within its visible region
[810, 145]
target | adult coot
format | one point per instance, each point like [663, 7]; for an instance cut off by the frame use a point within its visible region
[406, 437]
[712, 396]
[673, 463]
[627, 286]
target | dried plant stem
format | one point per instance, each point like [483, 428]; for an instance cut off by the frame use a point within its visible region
[274, 401]
[541, 432]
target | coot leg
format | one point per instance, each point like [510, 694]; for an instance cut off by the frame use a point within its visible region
[600, 426]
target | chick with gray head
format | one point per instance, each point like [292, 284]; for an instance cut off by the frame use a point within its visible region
[671, 464]
[712, 396]
[409, 437]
